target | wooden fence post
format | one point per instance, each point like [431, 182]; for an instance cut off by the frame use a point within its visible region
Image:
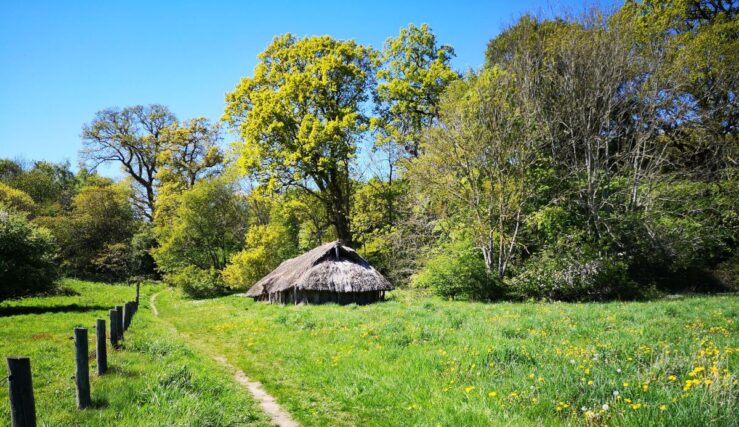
[22, 406]
[113, 332]
[101, 350]
[119, 319]
[82, 374]
[127, 312]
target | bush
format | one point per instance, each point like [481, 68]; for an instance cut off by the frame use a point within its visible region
[578, 274]
[457, 270]
[27, 255]
[113, 262]
[198, 283]
[16, 199]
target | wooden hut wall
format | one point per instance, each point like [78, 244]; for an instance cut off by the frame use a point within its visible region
[296, 296]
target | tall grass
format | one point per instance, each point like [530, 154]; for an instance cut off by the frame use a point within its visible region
[425, 361]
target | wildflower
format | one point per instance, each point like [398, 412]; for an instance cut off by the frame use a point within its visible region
[605, 407]
[662, 407]
[540, 379]
[672, 378]
[590, 382]
[493, 393]
[645, 387]
[531, 376]
[699, 369]
[469, 389]
[626, 385]
[616, 393]
[636, 406]
[618, 370]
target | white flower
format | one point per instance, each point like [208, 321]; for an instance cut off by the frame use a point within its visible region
[584, 408]
[605, 407]
[616, 393]
[572, 361]
[618, 370]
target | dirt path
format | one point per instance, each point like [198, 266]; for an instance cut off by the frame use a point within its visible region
[279, 416]
[151, 303]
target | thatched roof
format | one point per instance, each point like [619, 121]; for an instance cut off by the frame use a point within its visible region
[331, 267]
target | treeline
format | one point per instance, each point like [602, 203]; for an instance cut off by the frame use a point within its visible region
[590, 158]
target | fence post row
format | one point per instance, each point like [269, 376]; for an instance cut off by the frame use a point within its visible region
[101, 351]
[20, 385]
[82, 374]
[22, 405]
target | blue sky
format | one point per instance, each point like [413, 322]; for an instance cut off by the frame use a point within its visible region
[62, 61]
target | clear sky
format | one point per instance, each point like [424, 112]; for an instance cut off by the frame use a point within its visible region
[60, 61]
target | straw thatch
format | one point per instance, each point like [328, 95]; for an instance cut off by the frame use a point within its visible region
[329, 273]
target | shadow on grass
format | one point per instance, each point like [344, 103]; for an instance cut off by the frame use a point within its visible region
[98, 403]
[119, 371]
[68, 308]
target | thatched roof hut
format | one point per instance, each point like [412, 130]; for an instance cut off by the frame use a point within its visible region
[329, 273]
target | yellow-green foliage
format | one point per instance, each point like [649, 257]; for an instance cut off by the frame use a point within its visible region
[265, 246]
[16, 199]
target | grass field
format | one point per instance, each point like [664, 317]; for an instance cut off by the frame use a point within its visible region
[424, 361]
[409, 361]
[156, 380]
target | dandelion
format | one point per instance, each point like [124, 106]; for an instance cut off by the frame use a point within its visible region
[662, 407]
[493, 393]
[605, 407]
[636, 406]
[626, 385]
[645, 387]
[590, 382]
[618, 370]
[531, 376]
[615, 393]
[672, 378]
[469, 389]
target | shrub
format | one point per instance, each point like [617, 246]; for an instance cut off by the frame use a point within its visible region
[576, 274]
[16, 199]
[27, 255]
[113, 262]
[198, 283]
[457, 270]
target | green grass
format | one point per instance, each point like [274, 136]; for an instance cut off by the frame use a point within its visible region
[424, 361]
[156, 380]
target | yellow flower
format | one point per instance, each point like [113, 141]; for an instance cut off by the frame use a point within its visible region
[626, 385]
[662, 407]
[590, 382]
[636, 406]
[699, 369]
[531, 376]
[469, 389]
[493, 393]
[645, 387]
[672, 378]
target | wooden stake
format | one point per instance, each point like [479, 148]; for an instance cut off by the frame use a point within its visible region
[22, 406]
[82, 374]
[101, 350]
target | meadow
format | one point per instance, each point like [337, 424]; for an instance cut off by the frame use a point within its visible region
[412, 360]
[156, 379]
[418, 360]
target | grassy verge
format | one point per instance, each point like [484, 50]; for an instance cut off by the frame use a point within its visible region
[156, 380]
[423, 361]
